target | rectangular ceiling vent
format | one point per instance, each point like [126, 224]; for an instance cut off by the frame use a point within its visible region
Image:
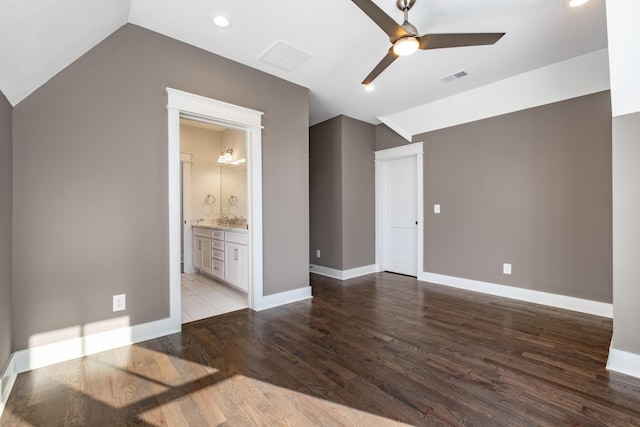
[454, 76]
[284, 56]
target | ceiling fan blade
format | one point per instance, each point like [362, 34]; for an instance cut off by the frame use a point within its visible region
[384, 21]
[440, 41]
[386, 61]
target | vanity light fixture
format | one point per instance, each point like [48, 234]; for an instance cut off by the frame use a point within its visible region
[225, 156]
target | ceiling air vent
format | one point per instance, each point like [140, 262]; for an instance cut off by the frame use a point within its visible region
[450, 77]
[284, 56]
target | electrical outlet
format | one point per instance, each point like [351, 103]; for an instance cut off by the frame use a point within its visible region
[436, 208]
[119, 302]
[506, 268]
[317, 253]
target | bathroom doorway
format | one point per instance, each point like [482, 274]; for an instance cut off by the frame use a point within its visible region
[182, 105]
[214, 218]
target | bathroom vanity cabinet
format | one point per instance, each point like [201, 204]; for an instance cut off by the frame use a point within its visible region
[223, 254]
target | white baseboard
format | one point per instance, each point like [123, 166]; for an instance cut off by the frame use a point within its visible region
[7, 380]
[282, 298]
[343, 274]
[553, 300]
[49, 354]
[624, 362]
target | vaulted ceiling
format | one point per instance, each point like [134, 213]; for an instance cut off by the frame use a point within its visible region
[39, 38]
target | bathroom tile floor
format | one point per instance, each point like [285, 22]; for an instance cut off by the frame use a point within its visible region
[203, 297]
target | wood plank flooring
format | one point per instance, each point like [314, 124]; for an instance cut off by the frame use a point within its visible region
[377, 350]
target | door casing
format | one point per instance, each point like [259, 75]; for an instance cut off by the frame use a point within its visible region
[381, 159]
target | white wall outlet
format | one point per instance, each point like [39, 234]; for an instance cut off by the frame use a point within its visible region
[119, 302]
[506, 268]
[436, 208]
[317, 253]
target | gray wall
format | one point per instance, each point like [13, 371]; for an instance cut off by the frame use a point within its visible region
[342, 192]
[5, 230]
[530, 188]
[90, 181]
[358, 193]
[626, 232]
[387, 138]
[325, 193]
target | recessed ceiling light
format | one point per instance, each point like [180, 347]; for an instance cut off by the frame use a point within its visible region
[370, 87]
[576, 3]
[221, 21]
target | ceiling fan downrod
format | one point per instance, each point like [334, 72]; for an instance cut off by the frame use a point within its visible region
[405, 6]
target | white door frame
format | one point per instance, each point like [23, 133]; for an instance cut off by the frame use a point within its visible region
[183, 104]
[187, 237]
[382, 157]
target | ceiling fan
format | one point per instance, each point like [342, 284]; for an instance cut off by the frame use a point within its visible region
[405, 39]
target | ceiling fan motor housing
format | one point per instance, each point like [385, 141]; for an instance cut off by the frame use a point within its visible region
[405, 4]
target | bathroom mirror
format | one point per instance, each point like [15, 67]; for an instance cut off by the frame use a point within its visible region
[233, 190]
[233, 175]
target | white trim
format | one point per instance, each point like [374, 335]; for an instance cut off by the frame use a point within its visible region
[7, 380]
[595, 308]
[282, 298]
[381, 156]
[400, 151]
[343, 274]
[186, 159]
[49, 354]
[206, 107]
[624, 362]
[200, 108]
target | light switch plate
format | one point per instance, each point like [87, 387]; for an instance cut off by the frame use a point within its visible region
[206, 210]
[436, 208]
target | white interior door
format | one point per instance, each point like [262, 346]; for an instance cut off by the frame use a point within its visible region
[400, 251]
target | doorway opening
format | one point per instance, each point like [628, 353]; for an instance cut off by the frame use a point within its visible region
[182, 105]
[214, 257]
[399, 209]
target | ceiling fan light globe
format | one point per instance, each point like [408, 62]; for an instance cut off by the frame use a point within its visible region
[406, 46]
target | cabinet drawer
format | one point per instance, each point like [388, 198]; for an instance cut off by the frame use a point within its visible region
[217, 244]
[240, 238]
[216, 254]
[202, 232]
[217, 234]
[217, 268]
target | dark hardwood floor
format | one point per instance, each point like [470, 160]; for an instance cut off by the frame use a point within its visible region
[377, 350]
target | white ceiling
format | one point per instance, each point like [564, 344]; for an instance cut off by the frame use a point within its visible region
[38, 38]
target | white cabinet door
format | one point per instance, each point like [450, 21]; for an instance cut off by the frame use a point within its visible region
[206, 256]
[197, 252]
[236, 265]
[202, 254]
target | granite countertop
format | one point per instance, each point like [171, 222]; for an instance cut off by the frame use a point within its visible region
[237, 229]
